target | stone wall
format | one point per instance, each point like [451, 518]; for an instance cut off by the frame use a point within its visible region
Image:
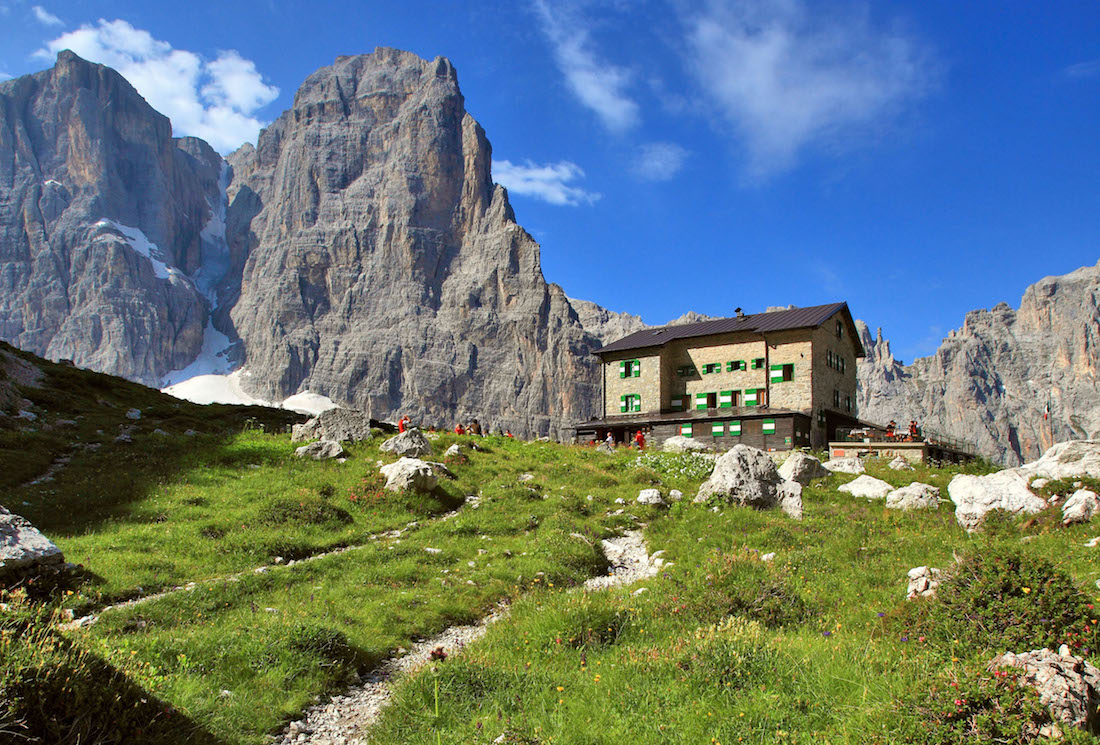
[647, 384]
[827, 379]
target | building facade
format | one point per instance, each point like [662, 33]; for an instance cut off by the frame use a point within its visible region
[776, 380]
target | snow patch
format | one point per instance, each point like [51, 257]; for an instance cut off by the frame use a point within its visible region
[227, 389]
[213, 359]
[215, 248]
[142, 245]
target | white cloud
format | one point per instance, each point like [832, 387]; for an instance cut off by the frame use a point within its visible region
[4, 76]
[550, 182]
[659, 161]
[1087, 69]
[215, 100]
[598, 84]
[46, 17]
[786, 76]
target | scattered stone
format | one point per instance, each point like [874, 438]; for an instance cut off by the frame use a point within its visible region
[746, 476]
[675, 495]
[1067, 685]
[620, 500]
[30, 416]
[411, 442]
[189, 433]
[1093, 542]
[321, 450]
[1039, 484]
[844, 465]
[527, 477]
[133, 414]
[409, 474]
[650, 496]
[770, 556]
[441, 470]
[802, 468]
[434, 550]
[899, 463]
[453, 451]
[629, 562]
[22, 546]
[1066, 460]
[974, 496]
[160, 432]
[1080, 507]
[916, 496]
[681, 444]
[342, 425]
[867, 487]
[923, 582]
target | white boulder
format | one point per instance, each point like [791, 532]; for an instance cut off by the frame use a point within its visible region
[1080, 507]
[802, 468]
[899, 463]
[650, 496]
[681, 444]
[1067, 685]
[923, 582]
[746, 476]
[974, 496]
[867, 487]
[411, 443]
[916, 496]
[844, 465]
[1072, 459]
[409, 474]
[321, 450]
[22, 545]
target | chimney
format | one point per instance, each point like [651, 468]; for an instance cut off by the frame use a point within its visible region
[740, 313]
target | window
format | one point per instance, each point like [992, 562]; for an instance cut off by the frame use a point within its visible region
[686, 371]
[735, 429]
[848, 403]
[836, 398]
[712, 367]
[718, 429]
[752, 397]
[630, 368]
[685, 430]
[843, 365]
[706, 400]
[782, 373]
[631, 402]
[733, 365]
[677, 403]
[758, 363]
[769, 426]
[729, 399]
[839, 329]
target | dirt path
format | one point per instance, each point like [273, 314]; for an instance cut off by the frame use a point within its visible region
[345, 719]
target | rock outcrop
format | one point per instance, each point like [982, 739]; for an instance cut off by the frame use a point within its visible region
[380, 266]
[341, 425]
[411, 442]
[1007, 490]
[844, 465]
[802, 468]
[867, 487]
[321, 450]
[103, 224]
[923, 582]
[991, 381]
[916, 496]
[410, 474]
[23, 547]
[746, 476]
[1067, 685]
[1081, 507]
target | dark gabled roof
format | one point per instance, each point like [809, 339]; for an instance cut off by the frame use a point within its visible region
[757, 323]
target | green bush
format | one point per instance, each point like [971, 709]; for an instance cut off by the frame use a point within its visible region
[304, 511]
[732, 654]
[1000, 598]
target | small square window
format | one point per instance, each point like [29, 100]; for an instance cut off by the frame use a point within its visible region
[758, 363]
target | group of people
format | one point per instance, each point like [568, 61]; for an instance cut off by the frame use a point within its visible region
[638, 440]
[473, 428]
[913, 435]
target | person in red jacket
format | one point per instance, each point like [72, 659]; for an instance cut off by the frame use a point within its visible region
[459, 429]
[639, 440]
[403, 423]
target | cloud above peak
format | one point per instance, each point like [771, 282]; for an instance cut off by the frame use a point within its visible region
[212, 99]
[786, 77]
[597, 84]
[549, 183]
[46, 17]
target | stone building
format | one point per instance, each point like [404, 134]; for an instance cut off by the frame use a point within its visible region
[775, 380]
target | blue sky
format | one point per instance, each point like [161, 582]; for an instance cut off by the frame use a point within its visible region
[917, 159]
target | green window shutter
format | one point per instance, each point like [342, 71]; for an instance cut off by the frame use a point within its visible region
[622, 368]
[637, 368]
[685, 430]
[729, 366]
[750, 397]
[735, 429]
[622, 404]
[637, 403]
[769, 426]
[718, 429]
[777, 374]
[700, 400]
[725, 400]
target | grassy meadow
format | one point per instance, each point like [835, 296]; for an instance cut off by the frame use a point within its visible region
[817, 645]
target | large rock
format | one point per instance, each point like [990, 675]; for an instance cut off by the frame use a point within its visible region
[681, 444]
[321, 450]
[916, 496]
[867, 487]
[1067, 460]
[22, 546]
[899, 463]
[411, 442]
[410, 474]
[746, 476]
[991, 380]
[1067, 685]
[974, 496]
[843, 465]
[650, 496]
[1081, 507]
[802, 468]
[342, 425]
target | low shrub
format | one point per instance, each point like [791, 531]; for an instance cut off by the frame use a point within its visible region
[304, 511]
[731, 654]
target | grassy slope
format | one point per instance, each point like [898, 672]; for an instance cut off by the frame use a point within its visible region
[824, 647]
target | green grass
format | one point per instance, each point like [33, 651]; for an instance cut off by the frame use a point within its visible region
[818, 645]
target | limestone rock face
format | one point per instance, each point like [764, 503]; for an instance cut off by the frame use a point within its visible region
[411, 442]
[380, 266]
[802, 468]
[102, 217]
[990, 381]
[867, 487]
[746, 476]
[974, 496]
[22, 546]
[606, 325]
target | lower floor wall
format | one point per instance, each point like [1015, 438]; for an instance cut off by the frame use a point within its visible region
[774, 432]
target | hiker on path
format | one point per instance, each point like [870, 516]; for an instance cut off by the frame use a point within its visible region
[610, 440]
[403, 423]
[639, 440]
